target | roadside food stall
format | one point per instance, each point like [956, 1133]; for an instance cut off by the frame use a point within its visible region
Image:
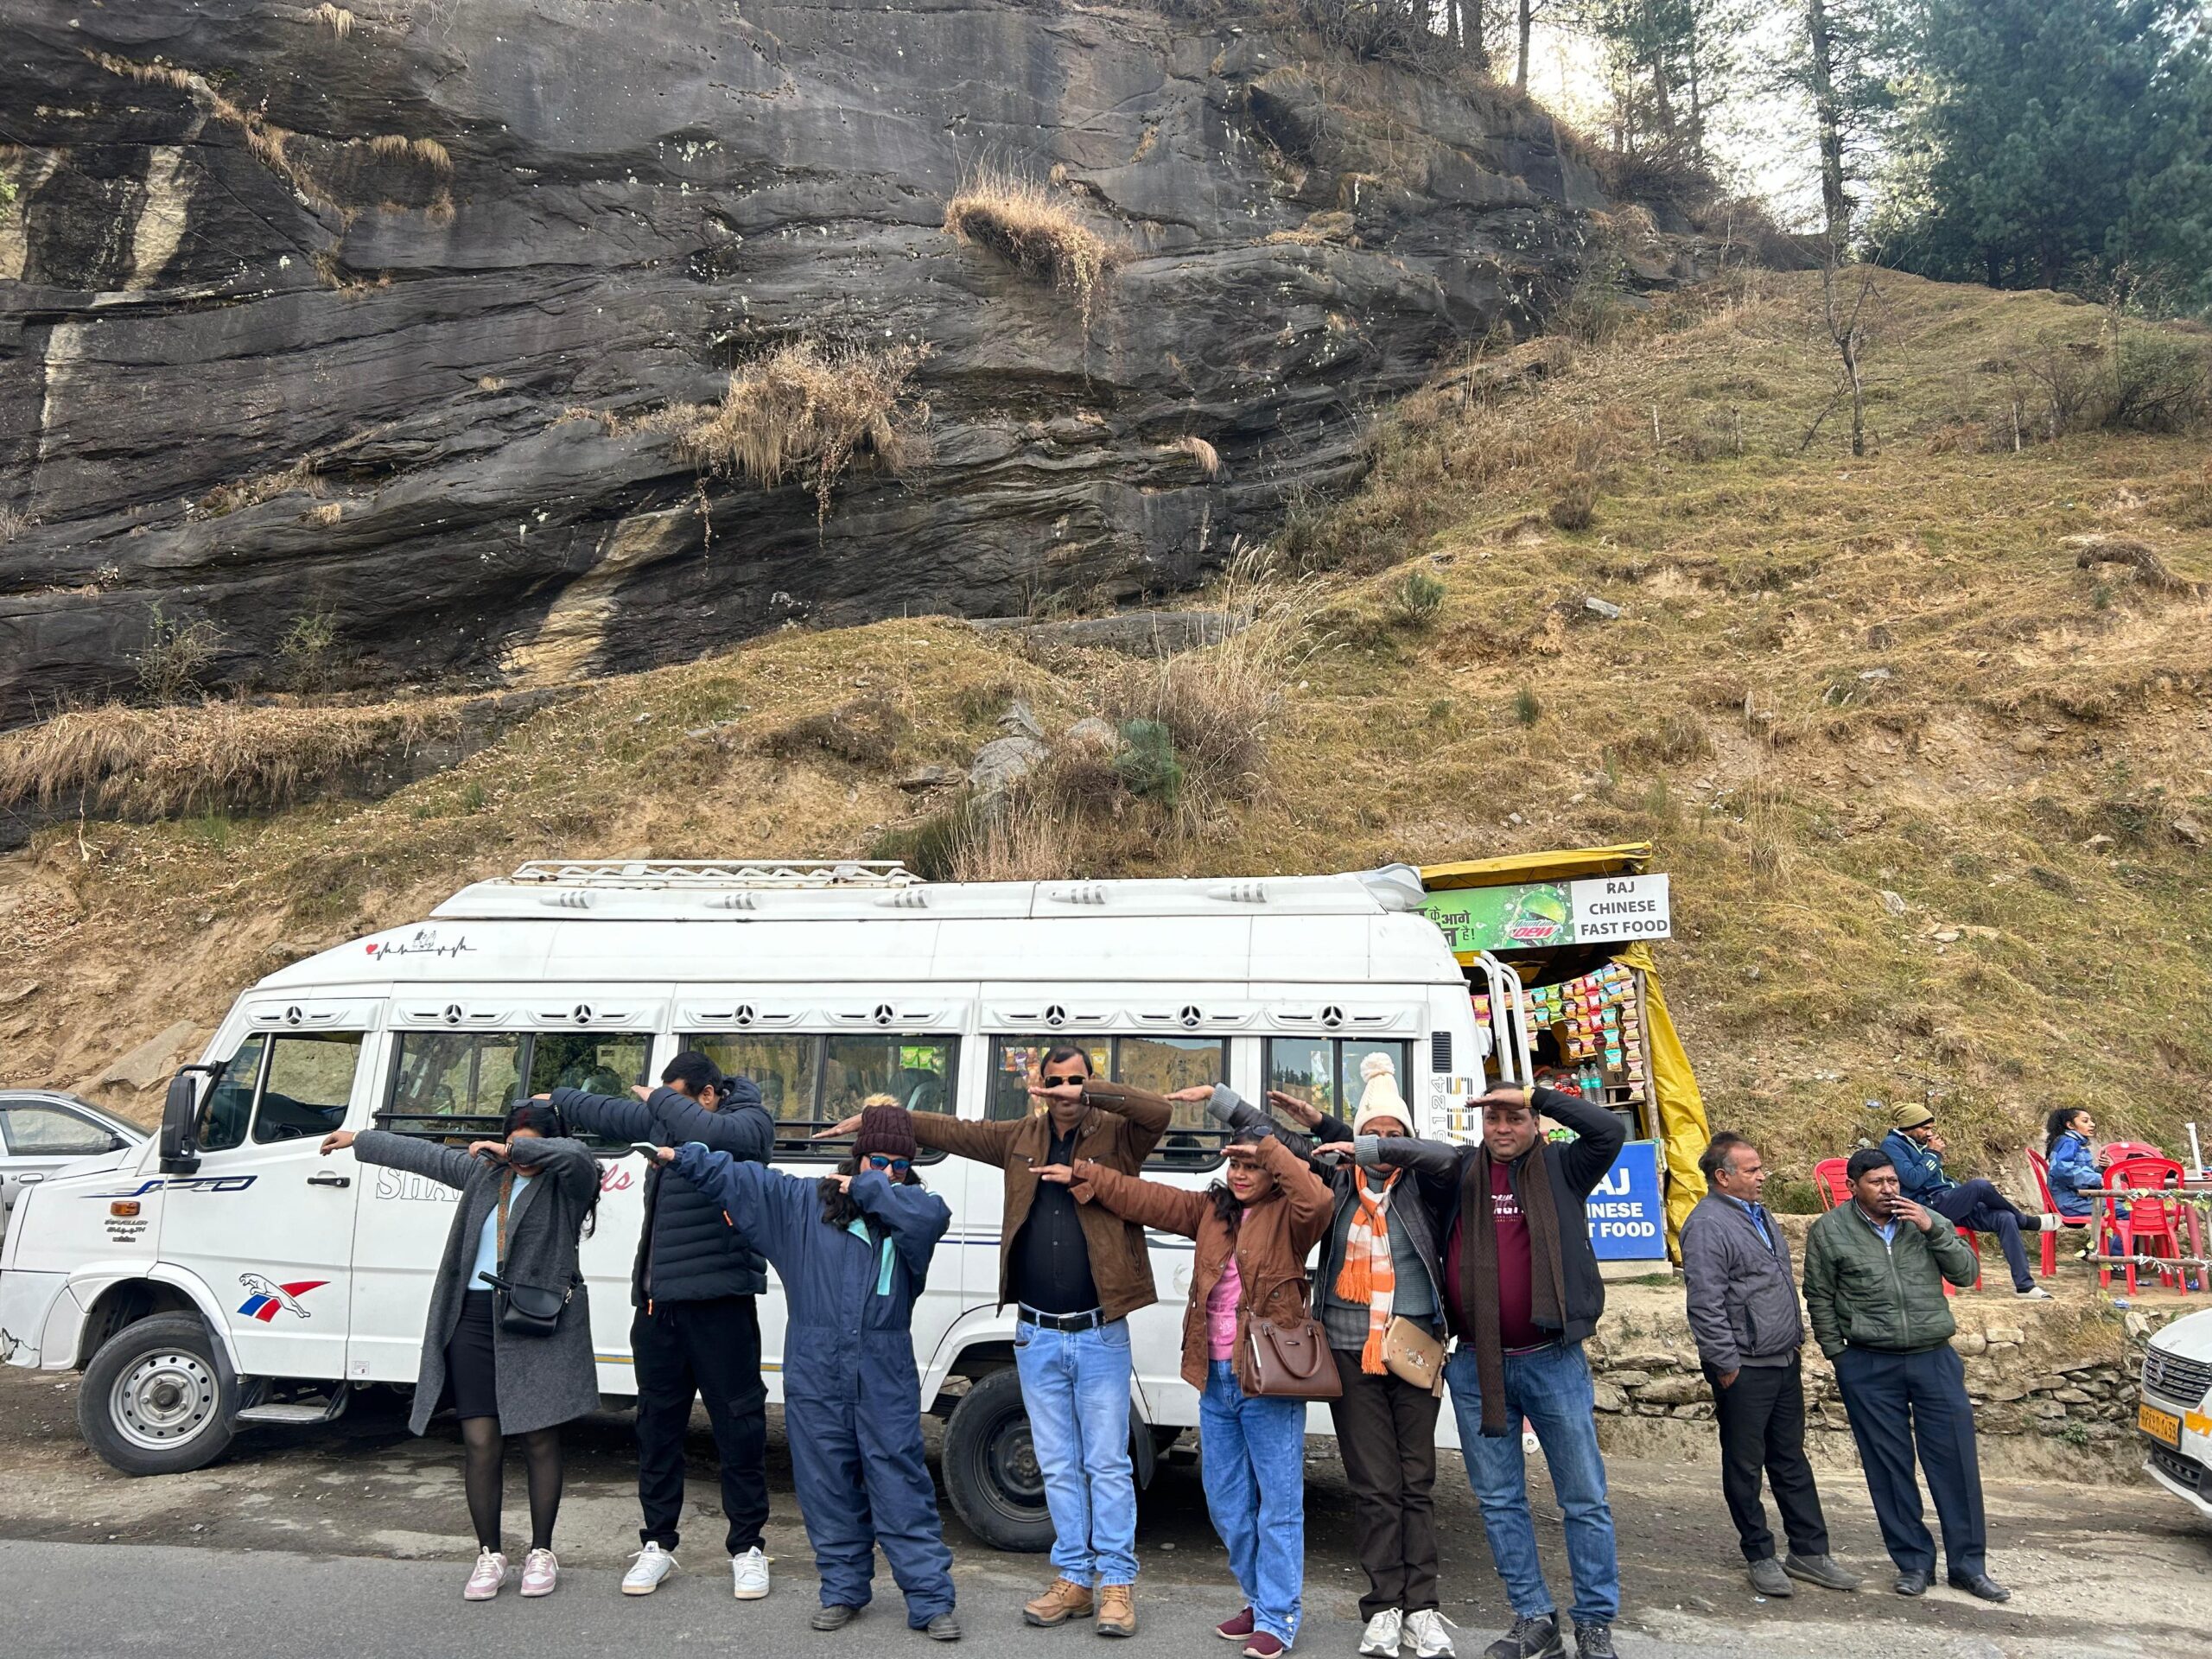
[1556, 949]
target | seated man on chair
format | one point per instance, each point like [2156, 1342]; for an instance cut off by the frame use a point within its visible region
[1918, 1151]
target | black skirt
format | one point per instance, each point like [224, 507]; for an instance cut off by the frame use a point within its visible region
[472, 1362]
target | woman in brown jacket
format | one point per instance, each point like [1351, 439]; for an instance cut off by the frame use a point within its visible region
[1254, 1230]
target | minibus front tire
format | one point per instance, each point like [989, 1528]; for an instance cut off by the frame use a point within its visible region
[990, 1468]
[159, 1397]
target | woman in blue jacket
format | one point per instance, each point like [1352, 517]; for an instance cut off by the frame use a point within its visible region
[853, 1251]
[2073, 1160]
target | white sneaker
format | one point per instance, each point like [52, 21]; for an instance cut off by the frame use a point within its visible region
[541, 1572]
[1425, 1630]
[1383, 1632]
[647, 1568]
[749, 1574]
[2033, 1293]
[490, 1574]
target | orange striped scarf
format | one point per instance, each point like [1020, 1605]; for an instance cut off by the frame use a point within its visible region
[1369, 1274]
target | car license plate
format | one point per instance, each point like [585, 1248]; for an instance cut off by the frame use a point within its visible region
[2159, 1425]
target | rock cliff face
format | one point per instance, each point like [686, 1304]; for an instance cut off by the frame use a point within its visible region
[300, 305]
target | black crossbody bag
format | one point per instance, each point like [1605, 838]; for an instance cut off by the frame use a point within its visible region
[522, 1310]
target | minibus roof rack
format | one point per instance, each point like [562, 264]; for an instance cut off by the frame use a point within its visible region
[698, 873]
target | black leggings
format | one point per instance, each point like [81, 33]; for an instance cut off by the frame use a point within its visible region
[483, 1475]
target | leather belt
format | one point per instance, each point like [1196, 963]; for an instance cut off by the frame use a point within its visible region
[1090, 1319]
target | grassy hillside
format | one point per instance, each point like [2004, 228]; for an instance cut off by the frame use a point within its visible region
[1934, 791]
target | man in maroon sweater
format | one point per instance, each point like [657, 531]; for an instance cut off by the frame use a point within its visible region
[1521, 1293]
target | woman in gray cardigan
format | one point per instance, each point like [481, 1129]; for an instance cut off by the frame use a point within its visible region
[525, 1202]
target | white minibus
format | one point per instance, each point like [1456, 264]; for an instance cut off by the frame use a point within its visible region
[224, 1274]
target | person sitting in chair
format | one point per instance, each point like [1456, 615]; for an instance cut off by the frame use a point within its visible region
[1916, 1150]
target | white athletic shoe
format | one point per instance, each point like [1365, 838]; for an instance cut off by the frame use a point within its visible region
[541, 1572]
[2034, 1294]
[489, 1576]
[749, 1574]
[647, 1568]
[1425, 1630]
[1384, 1633]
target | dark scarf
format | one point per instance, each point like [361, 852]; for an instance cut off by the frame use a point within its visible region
[1478, 1268]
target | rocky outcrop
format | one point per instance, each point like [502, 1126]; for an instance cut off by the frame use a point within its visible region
[353, 313]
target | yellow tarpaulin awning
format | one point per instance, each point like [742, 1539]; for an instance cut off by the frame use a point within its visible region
[1580, 865]
[1682, 1131]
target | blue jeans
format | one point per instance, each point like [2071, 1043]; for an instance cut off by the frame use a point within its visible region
[1252, 1457]
[1550, 1388]
[1075, 1385]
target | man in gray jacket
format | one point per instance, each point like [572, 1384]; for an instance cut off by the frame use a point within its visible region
[1743, 1312]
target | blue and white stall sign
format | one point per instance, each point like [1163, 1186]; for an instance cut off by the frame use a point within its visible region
[1628, 1212]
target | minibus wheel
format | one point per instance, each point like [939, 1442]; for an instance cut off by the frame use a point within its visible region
[159, 1397]
[991, 1467]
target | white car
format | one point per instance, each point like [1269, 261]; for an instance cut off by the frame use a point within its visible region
[43, 1131]
[2175, 1414]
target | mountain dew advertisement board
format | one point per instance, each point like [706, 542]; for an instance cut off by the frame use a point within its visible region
[1546, 915]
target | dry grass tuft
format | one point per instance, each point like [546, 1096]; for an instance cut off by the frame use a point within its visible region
[1030, 838]
[339, 21]
[428, 151]
[1221, 705]
[812, 409]
[1037, 232]
[162, 762]
[1204, 455]
[240, 493]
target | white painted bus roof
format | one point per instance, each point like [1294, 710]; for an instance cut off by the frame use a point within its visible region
[1284, 929]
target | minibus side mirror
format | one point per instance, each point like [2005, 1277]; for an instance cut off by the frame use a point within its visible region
[181, 1120]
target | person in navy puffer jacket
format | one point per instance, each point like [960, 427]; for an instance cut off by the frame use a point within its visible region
[852, 1250]
[697, 1328]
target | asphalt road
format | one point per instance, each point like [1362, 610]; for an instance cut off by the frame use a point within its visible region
[352, 1540]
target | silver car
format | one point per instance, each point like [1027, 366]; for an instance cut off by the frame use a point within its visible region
[41, 1131]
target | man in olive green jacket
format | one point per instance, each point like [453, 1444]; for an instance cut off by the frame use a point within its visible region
[1874, 1272]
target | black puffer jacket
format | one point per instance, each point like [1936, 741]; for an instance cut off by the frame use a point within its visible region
[686, 1251]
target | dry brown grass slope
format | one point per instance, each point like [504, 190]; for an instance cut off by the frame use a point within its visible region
[1932, 791]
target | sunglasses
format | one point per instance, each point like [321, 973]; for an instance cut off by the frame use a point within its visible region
[1073, 1080]
[896, 1165]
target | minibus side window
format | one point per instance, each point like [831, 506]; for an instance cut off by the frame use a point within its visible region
[229, 1103]
[452, 1083]
[1324, 1072]
[809, 1082]
[1163, 1065]
[310, 1081]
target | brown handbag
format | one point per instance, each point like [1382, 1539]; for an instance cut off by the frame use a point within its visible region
[1290, 1360]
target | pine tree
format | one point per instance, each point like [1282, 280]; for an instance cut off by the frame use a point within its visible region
[2052, 143]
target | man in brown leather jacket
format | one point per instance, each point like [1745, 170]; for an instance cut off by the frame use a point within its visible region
[1076, 1274]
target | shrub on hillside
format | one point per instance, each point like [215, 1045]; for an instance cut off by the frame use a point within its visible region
[1147, 765]
[1417, 599]
[177, 652]
[813, 410]
[1576, 506]
[2161, 383]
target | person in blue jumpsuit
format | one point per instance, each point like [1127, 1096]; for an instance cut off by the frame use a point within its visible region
[853, 1251]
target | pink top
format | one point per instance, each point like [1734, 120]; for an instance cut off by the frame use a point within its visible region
[1221, 1311]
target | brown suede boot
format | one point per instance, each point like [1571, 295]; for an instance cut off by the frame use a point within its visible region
[1066, 1599]
[1117, 1610]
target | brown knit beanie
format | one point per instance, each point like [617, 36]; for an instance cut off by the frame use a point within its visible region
[886, 1128]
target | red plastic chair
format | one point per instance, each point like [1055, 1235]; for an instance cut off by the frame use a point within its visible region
[2151, 1219]
[1830, 1175]
[2041, 1166]
[2114, 1150]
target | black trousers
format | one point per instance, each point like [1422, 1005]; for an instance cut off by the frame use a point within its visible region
[1896, 1400]
[1761, 1420]
[1979, 1207]
[1386, 1432]
[711, 1349]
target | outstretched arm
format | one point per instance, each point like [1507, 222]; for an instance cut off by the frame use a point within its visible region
[1149, 1203]
[1312, 1204]
[618, 1117]
[740, 1126]
[985, 1143]
[1144, 1115]
[448, 1166]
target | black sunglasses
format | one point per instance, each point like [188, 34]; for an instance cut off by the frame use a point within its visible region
[896, 1165]
[1063, 1083]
